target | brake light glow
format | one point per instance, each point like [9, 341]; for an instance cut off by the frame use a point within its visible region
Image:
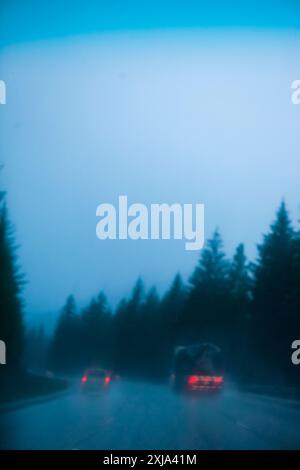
[204, 379]
[107, 380]
[84, 379]
[193, 379]
[218, 380]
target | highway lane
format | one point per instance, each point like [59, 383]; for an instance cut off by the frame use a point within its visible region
[136, 415]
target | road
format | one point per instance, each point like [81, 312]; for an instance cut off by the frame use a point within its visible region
[133, 415]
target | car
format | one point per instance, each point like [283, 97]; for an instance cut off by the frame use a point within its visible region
[95, 379]
[198, 368]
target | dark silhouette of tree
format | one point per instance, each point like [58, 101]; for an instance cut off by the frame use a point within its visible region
[126, 327]
[212, 267]
[240, 284]
[173, 302]
[65, 349]
[296, 281]
[118, 328]
[172, 311]
[240, 280]
[149, 338]
[275, 273]
[11, 321]
[294, 330]
[96, 332]
[137, 297]
[208, 306]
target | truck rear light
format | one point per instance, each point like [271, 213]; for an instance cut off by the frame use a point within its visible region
[193, 379]
[218, 380]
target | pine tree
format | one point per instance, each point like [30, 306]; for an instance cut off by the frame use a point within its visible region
[137, 297]
[65, 351]
[150, 307]
[172, 312]
[173, 302]
[294, 330]
[149, 338]
[275, 273]
[96, 332]
[208, 306]
[11, 321]
[274, 269]
[295, 287]
[240, 280]
[212, 267]
[240, 284]
[127, 330]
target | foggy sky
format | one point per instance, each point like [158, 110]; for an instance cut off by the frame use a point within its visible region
[181, 115]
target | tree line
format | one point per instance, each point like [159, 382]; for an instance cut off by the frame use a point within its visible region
[251, 310]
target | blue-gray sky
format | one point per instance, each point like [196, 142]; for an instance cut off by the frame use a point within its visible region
[165, 104]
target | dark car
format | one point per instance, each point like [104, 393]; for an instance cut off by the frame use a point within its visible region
[198, 368]
[94, 379]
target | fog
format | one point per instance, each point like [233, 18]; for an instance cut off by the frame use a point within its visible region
[162, 116]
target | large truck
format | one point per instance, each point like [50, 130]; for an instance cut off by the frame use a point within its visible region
[198, 367]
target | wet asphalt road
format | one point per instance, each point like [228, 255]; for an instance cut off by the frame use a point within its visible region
[136, 416]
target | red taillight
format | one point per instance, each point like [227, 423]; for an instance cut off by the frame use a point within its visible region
[218, 380]
[204, 379]
[84, 379]
[193, 379]
[107, 380]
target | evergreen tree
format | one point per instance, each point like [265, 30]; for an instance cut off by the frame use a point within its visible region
[137, 298]
[240, 284]
[212, 267]
[126, 327]
[294, 330]
[149, 336]
[96, 332]
[295, 286]
[208, 307]
[240, 280]
[11, 322]
[275, 273]
[274, 269]
[65, 351]
[173, 303]
[172, 312]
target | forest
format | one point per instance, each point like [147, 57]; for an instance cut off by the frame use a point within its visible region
[250, 309]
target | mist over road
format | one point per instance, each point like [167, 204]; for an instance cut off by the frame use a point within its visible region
[135, 415]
